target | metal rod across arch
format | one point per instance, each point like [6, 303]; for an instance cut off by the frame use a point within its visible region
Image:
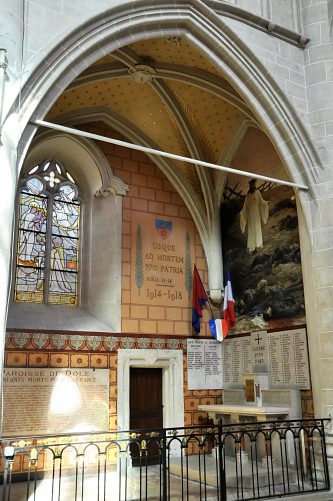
[165, 154]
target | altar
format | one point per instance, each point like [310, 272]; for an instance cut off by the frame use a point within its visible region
[241, 414]
[270, 404]
[262, 375]
[244, 406]
[235, 413]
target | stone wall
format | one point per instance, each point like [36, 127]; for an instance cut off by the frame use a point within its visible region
[300, 87]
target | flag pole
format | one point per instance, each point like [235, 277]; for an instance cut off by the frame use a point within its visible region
[151, 151]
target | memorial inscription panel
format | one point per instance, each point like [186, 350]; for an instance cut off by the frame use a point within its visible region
[204, 364]
[289, 363]
[283, 354]
[259, 351]
[53, 401]
[161, 263]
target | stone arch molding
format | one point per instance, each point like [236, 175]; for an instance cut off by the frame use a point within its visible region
[83, 158]
[193, 20]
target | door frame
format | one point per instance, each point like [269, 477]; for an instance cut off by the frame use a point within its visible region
[171, 361]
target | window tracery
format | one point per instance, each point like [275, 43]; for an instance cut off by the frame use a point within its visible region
[48, 237]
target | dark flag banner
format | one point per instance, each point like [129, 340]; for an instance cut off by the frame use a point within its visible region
[199, 299]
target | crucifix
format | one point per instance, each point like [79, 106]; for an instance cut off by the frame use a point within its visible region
[258, 338]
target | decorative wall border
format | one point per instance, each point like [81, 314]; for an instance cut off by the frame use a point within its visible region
[92, 343]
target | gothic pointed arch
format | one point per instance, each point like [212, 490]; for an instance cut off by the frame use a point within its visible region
[205, 30]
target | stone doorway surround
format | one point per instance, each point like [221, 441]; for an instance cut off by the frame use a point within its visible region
[171, 361]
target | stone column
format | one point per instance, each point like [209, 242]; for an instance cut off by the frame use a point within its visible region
[8, 183]
[11, 44]
[215, 264]
[319, 273]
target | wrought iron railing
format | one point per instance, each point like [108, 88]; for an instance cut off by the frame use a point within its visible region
[228, 462]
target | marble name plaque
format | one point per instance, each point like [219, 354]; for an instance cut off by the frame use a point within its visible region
[283, 354]
[204, 364]
[289, 362]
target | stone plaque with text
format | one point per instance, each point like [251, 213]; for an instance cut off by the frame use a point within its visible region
[289, 364]
[204, 364]
[53, 401]
[161, 260]
[283, 354]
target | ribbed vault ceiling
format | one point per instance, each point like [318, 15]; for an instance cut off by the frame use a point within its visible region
[165, 94]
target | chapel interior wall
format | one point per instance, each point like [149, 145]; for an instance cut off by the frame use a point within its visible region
[84, 354]
[151, 195]
[104, 356]
[145, 319]
[35, 49]
[150, 192]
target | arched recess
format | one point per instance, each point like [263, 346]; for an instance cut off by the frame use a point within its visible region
[199, 24]
[86, 160]
[129, 22]
[101, 194]
[193, 20]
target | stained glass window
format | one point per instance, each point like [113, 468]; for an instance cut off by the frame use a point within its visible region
[48, 237]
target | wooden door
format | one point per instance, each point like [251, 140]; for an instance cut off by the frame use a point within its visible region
[146, 409]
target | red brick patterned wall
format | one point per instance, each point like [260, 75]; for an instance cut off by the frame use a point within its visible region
[150, 193]
[192, 398]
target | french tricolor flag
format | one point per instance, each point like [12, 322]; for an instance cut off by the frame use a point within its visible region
[220, 327]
